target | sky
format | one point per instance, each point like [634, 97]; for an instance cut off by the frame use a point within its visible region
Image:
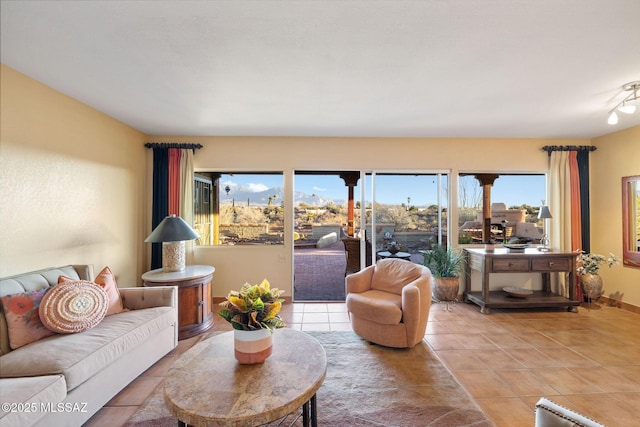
[513, 190]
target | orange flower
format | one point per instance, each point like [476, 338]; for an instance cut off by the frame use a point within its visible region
[20, 304]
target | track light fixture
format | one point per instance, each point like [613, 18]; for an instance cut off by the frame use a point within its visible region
[624, 106]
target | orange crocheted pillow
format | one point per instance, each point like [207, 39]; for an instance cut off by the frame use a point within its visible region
[71, 307]
[107, 281]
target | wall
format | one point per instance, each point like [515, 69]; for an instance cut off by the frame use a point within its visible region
[236, 265]
[72, 182]
[75, 183]
[618, 155]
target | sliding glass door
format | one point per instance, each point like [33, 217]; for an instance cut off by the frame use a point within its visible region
[405, 211]
[346, 220]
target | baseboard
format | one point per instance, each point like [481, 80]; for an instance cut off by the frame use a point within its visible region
[620, 304]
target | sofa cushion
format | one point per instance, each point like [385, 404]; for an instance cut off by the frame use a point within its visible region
[80, 356]
[376, 306]
[391, 275]
[35, 393]
[23, 321]
[73, 306]
[107, 281]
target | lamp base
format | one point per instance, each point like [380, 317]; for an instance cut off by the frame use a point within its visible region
[173, 256]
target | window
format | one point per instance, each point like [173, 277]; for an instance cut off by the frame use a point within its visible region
[515, 203]
[410, 210]
[239, 208]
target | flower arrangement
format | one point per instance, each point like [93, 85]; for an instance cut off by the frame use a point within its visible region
[254, 307]
[590, 263]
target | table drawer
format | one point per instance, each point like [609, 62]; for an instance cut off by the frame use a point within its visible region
[500, 265]
[550, 264]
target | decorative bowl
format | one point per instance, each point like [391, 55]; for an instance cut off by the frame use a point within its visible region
[518, 292]
[516, 245]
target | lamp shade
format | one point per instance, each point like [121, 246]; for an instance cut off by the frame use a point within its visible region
[172, 229]
[544, 212]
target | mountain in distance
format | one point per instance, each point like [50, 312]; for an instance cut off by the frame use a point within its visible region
[241, 196]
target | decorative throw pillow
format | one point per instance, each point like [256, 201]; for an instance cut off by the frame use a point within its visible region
[107, 281]
[23, 322]
[71, 307]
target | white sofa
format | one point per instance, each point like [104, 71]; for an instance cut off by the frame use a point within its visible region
[64, 379]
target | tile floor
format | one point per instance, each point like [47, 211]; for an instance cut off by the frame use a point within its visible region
[588, 361]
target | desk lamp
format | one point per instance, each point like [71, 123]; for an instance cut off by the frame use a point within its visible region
[172, 232]
[544, 214]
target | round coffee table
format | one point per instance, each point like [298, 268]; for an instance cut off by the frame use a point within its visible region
[206, 386]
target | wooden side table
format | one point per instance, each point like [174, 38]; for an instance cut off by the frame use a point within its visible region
[195, 310]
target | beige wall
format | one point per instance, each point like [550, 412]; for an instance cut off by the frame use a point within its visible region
[75, 185]
[236, 265]
[618, 155]
[71, 188]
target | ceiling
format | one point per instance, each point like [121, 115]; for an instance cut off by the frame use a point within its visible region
[370, 68]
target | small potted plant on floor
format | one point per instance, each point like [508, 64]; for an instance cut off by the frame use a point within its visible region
[445, 265]
[254, 314]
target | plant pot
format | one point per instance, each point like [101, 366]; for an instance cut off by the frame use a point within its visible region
[591, 285]
[445, 288]
[251, 347]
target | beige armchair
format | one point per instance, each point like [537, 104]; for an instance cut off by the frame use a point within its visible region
[389, 302]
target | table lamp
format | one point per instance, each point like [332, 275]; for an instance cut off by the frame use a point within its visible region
[544, 214]
[172, 232]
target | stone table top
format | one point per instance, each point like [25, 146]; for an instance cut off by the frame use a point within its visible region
[189, 272]
[207, 386]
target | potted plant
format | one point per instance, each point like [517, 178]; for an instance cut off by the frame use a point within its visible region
[445, 265]
[254, 314]
[587, 267]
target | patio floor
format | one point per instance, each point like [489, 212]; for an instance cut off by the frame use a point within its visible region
[319, 273]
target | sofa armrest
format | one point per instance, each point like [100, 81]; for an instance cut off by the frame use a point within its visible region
[549, 413]
[143, 297]
[360, 281]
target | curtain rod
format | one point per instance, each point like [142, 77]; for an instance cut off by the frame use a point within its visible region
[550, 148]
[172, 145]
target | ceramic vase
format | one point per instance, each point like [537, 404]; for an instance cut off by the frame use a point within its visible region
[445, 288]
[591, 285]
[251, 347]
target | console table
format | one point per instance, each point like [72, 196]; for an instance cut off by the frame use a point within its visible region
[503, 260]
[195, 311]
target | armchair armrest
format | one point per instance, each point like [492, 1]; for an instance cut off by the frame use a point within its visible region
[360, 281]
[411, 308]
[142, 297]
